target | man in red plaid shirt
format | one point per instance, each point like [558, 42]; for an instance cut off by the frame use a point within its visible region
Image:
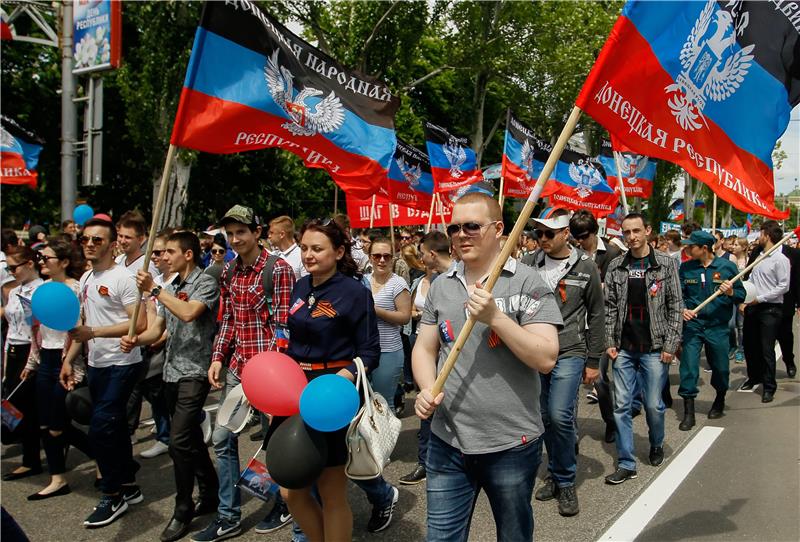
[250, 323]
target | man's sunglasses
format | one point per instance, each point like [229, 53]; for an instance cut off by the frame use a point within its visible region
[13, 267]
[470, 229]
[94, 239]
[549, 234]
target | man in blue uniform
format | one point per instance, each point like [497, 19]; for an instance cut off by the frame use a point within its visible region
[700, 277]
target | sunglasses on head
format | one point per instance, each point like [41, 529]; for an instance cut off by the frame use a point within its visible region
[379, 257]
[217, 251]
[13, 267]
[470, 229]
[321, 221]
[94, 239]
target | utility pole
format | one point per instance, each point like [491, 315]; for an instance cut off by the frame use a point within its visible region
[69, 116]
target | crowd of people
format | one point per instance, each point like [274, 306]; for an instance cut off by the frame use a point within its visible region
[567, 306]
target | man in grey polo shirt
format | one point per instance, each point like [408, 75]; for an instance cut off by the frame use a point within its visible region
[487, 425]
[186, 309]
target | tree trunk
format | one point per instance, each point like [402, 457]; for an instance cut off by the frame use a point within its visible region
[688, 198]
[478, 102]
[176, 197]
[726, 220]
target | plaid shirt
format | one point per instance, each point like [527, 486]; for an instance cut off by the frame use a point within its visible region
[247, 327]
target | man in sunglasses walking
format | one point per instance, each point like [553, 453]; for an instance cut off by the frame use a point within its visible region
[486, 425]
[575, 280]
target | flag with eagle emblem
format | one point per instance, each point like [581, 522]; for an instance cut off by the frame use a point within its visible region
[524, 156]
[453, 162]
[637, 171]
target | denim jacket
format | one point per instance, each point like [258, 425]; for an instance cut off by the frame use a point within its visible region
[664, 300]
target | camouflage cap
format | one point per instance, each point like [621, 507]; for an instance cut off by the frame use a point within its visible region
[239, 213]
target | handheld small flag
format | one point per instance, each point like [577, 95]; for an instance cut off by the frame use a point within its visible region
[19, 154]
[256, 480]
[453, 162]
[524, 155]
[252, 84]
[637, 171]
[706, 85]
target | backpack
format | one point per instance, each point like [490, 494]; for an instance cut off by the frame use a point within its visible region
[266, 277]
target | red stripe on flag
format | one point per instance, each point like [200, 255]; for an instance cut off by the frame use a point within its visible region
[13, 170]
[512, 187]
[622, 83]
[443, 182]
[208, 124]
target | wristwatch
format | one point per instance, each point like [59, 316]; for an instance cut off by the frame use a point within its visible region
[155, 291]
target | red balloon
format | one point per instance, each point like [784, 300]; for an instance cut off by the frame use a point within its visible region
[273, 383]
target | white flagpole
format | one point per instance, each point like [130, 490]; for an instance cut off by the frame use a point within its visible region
[623, 199]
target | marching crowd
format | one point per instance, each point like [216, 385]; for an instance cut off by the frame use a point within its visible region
[569, 308]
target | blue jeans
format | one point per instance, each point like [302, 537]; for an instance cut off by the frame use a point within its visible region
[226, 448]
[388, 375]
[455, 480]
[111, 388]
[558, 400]
[627, 367]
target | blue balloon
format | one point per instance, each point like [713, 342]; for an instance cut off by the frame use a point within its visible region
[329, 403]
[82, 213]
[56, 306]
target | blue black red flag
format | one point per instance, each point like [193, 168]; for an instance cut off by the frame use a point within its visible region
[524, 155]
[706, 85]
[410, 180]
[637, 171]
[19, 154]
[453, 162]
[252, 84]
[579, 182]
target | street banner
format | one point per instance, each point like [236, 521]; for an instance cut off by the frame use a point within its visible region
[706, 85]
[359, 212]
[252, 84]
[453, 162]
[637, 171]
[19, 154]
[524, 155]
[97, 35]
[727, 232]
[410, 182]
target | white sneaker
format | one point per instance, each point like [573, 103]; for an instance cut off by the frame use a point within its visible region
[155, 450]
[205, 425]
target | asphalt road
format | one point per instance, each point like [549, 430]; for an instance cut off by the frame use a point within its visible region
[744, 488]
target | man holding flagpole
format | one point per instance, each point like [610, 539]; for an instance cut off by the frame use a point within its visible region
[487, 424]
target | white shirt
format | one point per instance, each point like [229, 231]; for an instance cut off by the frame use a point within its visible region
[553, 270]
[18, 312]
[104, 296]
[293, 258]
[5, 276]
[136, 264]
[52, 339]
[771, 277]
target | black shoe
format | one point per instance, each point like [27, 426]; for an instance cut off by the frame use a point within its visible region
[107, 511]
[11, 476]
[656, 455]
[568, 501]
[257, 436]
[636, 412]
[97, 482]
[175, 530]
[749, 386]
[688, 414]
[382, 515]
[717, 408]
[219, 529]
[132, 494]
[791, 371]
[767, 397]
[611, 433]
[547, 491]
[203, 507]
[620, 475]
[63, 490]
[414, 477]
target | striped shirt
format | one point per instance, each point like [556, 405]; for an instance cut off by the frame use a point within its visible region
[384, 299]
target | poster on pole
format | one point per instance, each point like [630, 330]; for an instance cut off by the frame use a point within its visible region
[97, 35]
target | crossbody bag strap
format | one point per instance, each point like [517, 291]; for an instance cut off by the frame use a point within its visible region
[363, 382]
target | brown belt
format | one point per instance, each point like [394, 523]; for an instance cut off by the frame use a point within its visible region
[324, 365]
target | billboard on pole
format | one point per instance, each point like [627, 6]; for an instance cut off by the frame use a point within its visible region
[97, 34]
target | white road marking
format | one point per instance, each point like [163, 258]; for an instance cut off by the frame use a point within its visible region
[644, 508]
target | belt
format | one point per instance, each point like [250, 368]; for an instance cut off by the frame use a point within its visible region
[324, 365]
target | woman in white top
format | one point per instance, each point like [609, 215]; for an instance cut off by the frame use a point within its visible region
[21, 262]
[60, 262]
[393, 307]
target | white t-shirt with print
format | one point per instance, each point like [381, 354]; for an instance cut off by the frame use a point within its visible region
[53, 339]
[137, 264]
[104, 296]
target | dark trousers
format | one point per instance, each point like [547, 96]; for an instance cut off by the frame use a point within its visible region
[786, 337]
[190, 459]
[111, 388]
[150, 389]
[761, 324]
[423, 438]
[604, 398]
[50, 395]
[25, 400]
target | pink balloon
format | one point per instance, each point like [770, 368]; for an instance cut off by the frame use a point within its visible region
[273, 383]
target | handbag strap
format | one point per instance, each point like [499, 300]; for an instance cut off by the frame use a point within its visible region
[362, 382]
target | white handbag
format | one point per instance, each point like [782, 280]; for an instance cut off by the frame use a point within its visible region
[372, 434]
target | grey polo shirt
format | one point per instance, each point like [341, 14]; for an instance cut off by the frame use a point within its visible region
[491, 398]
[188, 350]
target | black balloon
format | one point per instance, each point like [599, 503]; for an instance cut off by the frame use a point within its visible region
[79, 405]
[296, 454]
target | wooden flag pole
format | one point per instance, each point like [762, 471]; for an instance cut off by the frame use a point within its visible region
[714, 215]
[622, 197]
[372, 211]
[151, 239]
[430, 213]
[335, 198]
[500, 197]
[747, 269]
[510, 244]
[441, 212]
[391, 224]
